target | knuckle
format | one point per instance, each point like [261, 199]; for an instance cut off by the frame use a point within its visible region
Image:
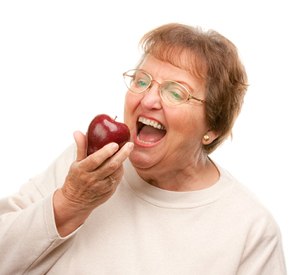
[113, 165]
[91, 180]
[93, 159]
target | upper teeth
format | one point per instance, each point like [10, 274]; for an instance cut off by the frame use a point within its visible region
[152, 123]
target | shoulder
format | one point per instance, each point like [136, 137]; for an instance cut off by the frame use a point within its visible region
[246, 207]
[261, 234]
[243, 202]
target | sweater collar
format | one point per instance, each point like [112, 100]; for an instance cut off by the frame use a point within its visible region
[173, 199]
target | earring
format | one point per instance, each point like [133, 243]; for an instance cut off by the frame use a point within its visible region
[206, 137]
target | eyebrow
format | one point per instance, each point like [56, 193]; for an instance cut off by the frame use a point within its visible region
[185, 84]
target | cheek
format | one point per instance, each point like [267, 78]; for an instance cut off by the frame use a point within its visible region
[131, 103]
[188, 122]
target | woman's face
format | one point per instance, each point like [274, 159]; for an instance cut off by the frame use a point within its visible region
[179, 144]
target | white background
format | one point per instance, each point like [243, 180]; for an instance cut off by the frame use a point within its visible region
[61, 64]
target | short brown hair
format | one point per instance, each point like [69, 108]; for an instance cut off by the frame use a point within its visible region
[212, 58]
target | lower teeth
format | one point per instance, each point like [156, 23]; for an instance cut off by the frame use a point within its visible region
[142, 141]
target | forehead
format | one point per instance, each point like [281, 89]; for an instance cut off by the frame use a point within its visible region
[163, 70]
[182, 56]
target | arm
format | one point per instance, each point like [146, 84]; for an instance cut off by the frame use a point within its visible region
[37, 225]
[27, 225]
[263, 253]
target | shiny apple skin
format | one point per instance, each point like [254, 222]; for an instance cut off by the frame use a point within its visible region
[103, 130]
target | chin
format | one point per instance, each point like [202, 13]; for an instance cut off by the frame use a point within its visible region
[141, 160]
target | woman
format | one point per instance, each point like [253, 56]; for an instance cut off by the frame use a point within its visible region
[169, 209]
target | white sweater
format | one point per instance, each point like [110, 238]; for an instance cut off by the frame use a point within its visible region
[141, 229]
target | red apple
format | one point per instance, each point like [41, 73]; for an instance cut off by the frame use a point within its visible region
[103, 130]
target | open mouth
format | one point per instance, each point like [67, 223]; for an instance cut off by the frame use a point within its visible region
[149, 131]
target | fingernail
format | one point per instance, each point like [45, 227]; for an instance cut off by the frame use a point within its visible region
[130, 145]
[114, 146]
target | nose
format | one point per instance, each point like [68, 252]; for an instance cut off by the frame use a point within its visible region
[151, 98]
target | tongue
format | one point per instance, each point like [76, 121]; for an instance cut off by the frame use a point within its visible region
[151, 134]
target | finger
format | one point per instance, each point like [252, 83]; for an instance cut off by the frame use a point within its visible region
[115, 178]
[112, 180]
[96, 159]
[81, 144]
[117, 160]
[118, 174]
[124, 152]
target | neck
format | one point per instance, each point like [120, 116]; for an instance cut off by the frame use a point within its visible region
[191, 177]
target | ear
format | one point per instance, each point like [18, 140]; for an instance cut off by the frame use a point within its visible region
[209, 137]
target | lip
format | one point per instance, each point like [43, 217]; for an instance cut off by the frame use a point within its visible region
[140, 143]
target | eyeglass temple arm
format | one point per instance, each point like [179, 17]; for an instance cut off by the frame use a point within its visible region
[198, 99]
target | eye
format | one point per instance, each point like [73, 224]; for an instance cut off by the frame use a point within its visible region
[176, 95]
[173, 92]
[141, 82]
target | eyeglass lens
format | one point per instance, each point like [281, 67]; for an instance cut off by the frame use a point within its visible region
[171, 91]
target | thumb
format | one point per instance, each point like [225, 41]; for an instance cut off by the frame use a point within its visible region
[81, 144]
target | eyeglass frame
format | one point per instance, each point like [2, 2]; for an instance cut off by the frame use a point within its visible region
[190, 96]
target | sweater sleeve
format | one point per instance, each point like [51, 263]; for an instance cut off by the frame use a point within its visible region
[29, 241]
[263, 253]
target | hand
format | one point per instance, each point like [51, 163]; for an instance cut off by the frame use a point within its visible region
[91, 181]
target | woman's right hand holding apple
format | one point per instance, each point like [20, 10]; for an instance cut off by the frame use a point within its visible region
[91, 181]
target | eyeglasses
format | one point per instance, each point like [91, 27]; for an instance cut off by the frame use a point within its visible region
[171, 92]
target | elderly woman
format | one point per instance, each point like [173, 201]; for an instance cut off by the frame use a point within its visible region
[159, 204]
